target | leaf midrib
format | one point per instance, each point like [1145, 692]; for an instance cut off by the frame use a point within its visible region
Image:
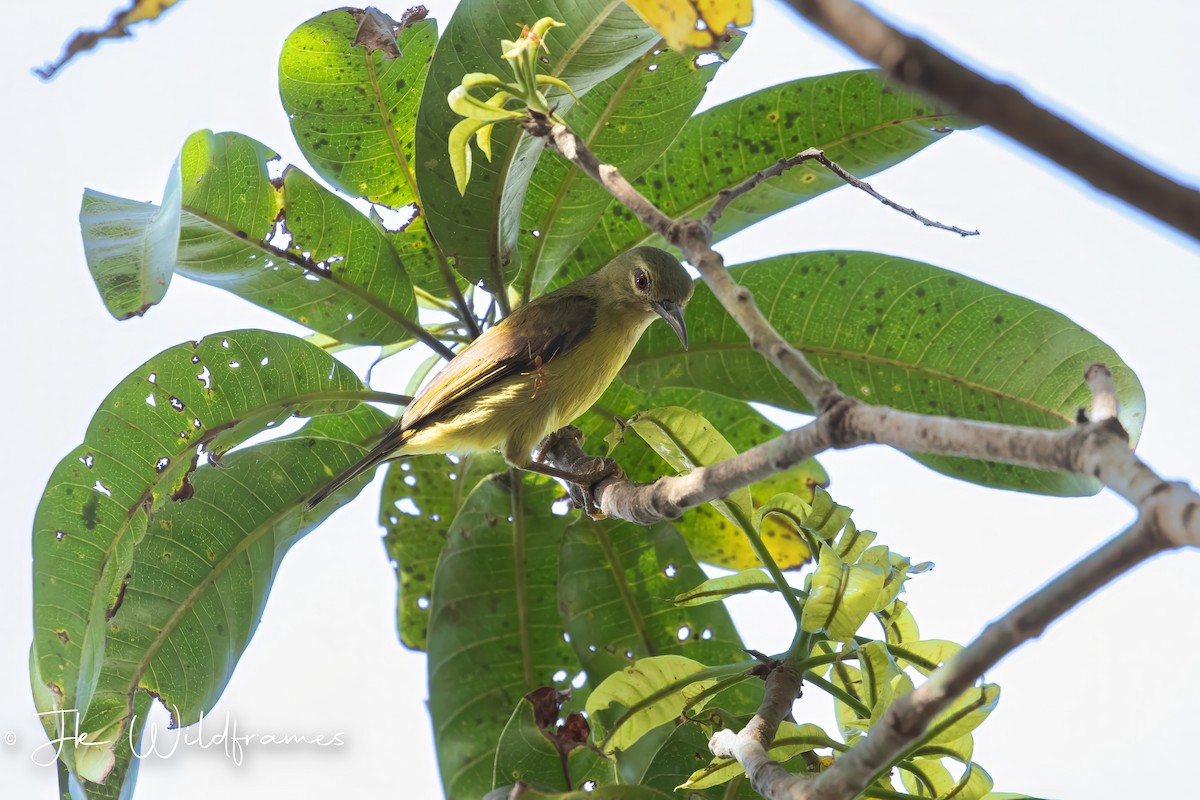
[192, 598]
[352, 289]
[864, 358]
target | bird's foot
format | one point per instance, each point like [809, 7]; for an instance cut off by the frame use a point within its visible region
[582, 488]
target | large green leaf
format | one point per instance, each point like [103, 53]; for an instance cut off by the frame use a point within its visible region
[710, 537]
[139, 452]
[616, 587]
[195, 578]
[628, 120]
[494, 630]
[860, 120]
[353, 110]
[480, 230]
[283, 242]
[906, 334]
[421, 495]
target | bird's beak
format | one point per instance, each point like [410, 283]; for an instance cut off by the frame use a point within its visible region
[672, 312]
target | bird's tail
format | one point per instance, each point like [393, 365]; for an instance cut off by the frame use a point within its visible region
[388, 448]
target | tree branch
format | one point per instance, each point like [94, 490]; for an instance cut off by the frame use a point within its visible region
[727, 196]
[1167, 518]
[913, 62]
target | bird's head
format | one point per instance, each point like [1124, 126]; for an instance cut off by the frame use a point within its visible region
[653, 282]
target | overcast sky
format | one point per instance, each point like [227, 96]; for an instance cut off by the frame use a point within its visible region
[1105, 705]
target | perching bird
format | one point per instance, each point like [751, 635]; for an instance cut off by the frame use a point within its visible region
[538, 369]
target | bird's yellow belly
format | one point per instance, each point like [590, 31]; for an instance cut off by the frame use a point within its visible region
[541, 401]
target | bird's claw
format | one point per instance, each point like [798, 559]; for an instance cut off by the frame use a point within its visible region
[583, 491]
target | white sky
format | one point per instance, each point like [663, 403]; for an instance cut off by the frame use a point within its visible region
[1102, 706]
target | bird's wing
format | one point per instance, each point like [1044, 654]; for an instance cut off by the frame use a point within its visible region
[526, 340]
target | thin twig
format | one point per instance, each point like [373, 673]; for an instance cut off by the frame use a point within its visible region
[913, 62]
[727, 196]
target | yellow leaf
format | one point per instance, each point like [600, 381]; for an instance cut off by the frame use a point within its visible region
[693, 24]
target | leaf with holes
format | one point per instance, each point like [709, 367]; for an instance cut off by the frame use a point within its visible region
[494, 629]
[353, 110]
[711, 538]
[194, 577]
[616, 588]
[859, 119]
[628, 120]
[140, 451]
[479, 230]
[421, 496]
[285, 243]
[906, 334]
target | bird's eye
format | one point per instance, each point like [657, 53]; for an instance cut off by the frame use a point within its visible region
[641, 279]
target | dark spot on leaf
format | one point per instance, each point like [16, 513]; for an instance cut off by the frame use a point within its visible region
[90, 517]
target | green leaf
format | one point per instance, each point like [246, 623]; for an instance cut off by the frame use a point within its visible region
[195, 581]
[435, 488]
[479, 231]
[616, 587]
[139, 452]
[630, 703]
[286, 244]
[354, 113]
[936, 781]
[628, 120]
[964, 715]
[716, 589]
[686, 440]
[494, 630]
[353, 110]
[859, 119]
[906, 334]
[711, 538]
[924, 655]
[899, 624]
[130, 248]
[878, 671]
[841, 596]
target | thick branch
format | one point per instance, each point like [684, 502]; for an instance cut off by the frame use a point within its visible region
[749, 746]
[913, 62]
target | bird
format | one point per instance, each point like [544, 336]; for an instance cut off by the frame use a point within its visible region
[536, 370]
